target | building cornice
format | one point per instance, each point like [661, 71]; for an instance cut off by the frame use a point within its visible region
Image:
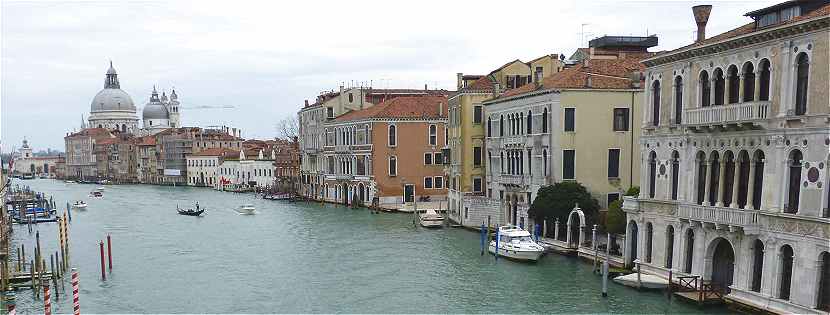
[755, 37]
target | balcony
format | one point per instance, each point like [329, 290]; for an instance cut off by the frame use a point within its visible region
[727, 114]
[516, 180]
[719, 216]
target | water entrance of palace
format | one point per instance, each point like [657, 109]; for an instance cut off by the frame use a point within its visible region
[723, 264]
[300, 258]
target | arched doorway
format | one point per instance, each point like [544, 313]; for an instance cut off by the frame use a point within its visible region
[823, 302]
[757, 265]
[362, 192]
[649, 238]
[723, 263]
[515, 209]
[632, 241]
[575, 224]
[46, 168]
[669, 246]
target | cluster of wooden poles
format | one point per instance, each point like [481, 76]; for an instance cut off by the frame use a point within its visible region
[35, 270]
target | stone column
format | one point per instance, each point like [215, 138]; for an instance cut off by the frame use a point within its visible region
[750, 189]
[757, 83]
[735, 183]
[741, 88]
[721, 193]
[568, 235]
[556, 229]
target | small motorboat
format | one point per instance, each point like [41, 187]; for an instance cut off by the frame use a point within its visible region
[191, 212]
[69, 181]
[246, 209]
[515, 243]
[100, 188]
[79, 205]
[431, 219]
[96, 194]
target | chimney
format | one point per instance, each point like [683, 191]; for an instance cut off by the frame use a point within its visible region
[701, 13]
[440, 109]
[425, 87]
[537, 78]
[588, 82]
[496, 89]
[459, 81]
[306, 103]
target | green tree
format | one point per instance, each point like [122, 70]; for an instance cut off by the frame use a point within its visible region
[615, 218]
[633, 191]
[557, 201]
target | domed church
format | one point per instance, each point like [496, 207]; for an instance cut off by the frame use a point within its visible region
[112, 108]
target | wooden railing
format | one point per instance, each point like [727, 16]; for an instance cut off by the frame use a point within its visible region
[685, 284]
[732, 113]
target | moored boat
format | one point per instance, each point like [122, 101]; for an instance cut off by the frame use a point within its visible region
[246, 209]
[191, 212]
[515, 243]
[79, 205]
[431, 219]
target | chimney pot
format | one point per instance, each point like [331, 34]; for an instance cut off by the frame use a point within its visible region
[701, 13]
[459, 80]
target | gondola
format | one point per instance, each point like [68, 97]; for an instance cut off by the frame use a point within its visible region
[191, 212]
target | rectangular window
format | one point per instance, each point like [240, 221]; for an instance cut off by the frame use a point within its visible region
[613, 163]
[614, 196]
[433, 135]
[489, 193]
[329, 112]
[477, 114]
[393, 166]
[570, 119]
[568, 164]
[428, 182]
[501, 194]
[427, 158]
[477, 156]
[476, 184]
[438, 159]
[620, 119]
[439, 182]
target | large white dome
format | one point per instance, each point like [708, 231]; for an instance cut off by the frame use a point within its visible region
[110, 99]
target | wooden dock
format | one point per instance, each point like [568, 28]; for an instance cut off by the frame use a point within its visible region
[693, 289]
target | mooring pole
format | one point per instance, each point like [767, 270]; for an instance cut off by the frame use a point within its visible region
[497, 244]
[109, 250]
[594, 244]
[76, 307]
[103, 266]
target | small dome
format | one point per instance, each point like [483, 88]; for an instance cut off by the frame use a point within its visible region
[112, 99]
[155, 111]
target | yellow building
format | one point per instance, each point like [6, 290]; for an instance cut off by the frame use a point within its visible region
[465, 163]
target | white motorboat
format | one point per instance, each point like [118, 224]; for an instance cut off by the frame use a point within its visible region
[431, 219]
[69, 181]
[516, 243]
[79, 205]
[100, 188]
[246, 209]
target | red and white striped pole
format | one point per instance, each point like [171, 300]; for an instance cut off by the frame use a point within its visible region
[75, 305]
[10, 306]
[47, 300]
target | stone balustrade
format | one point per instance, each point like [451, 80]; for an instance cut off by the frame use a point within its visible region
[725, 114]
[718, 215]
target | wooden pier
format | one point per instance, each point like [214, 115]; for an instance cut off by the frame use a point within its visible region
[693, 289]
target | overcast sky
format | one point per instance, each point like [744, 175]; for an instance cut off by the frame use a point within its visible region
[265, 58]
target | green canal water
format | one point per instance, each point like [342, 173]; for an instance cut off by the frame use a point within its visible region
[301, 258]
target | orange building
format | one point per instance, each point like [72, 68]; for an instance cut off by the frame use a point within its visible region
[388, 153]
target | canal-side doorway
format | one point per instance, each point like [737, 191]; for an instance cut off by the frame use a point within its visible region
[409, 193]
[723, 263]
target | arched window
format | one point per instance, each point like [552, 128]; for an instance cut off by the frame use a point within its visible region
[757, 265]
[729, 178]
[123, 128]
[705, 89]
[545, 121]
[786, 275]
[690, 250]
[742, 167]
[763, 94]
[655, 103]
[489, 123]
[701, 177]
[675, 174]
[802, 71]
[501, 162]
[529, 122]
[649, 236]
[714, 175]
[652, 174]
[545, 162]
[794, 185]
[393, 136]
[669, 246]
[734, 83]
[678, 99]
[521, 123]
[823, 302]
[719, 87]
[749, 82]
[501, 126]
[758, 179]
[393, 166]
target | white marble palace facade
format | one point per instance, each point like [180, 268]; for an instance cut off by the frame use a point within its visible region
[735, 151]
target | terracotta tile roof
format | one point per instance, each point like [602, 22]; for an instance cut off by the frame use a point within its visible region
[106, 141]
[216, 152]
[484, 84]
[505, 65]
[604, 74]
[402, 107]
[750, 28]
[148, 140]
[92, 132]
